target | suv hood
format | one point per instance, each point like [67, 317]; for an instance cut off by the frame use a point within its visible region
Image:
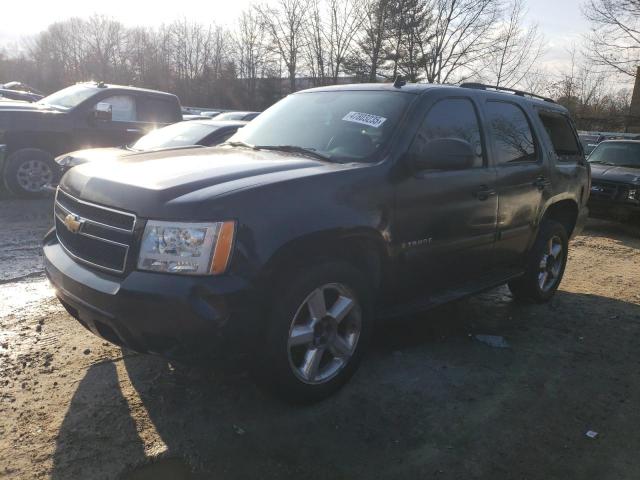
[172, 182]
[113, 153]
[615, 174]
[11, 106]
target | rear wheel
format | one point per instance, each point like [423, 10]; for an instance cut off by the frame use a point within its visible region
[545, 266]
[320, 326]
[29, 171]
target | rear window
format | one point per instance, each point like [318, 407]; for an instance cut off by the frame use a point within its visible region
[156, 110]
[179, 134]
[562, 136]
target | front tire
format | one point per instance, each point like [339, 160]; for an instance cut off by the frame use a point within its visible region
[320, 325]
[29, 171]
[545, 265]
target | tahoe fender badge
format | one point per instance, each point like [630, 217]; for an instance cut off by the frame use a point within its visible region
[73, 223]
[417, 243]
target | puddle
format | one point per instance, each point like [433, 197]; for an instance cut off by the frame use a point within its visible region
[164, 469]
[18, 296]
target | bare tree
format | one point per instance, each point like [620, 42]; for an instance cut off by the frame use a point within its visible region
[614, 41]
[459, 38]
[285, 23]
[517, 48]
[345, 20]
[252, 51]
[316, 42]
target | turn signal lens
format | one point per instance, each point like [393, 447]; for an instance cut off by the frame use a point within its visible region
[224, 247]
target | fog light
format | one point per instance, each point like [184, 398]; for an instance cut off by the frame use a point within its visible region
[632, 194]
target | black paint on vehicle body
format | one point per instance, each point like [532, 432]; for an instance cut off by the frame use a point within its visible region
[423, 237]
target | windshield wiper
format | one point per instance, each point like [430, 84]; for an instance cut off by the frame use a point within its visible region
[602, 163]
[295, 149]
[239, 144]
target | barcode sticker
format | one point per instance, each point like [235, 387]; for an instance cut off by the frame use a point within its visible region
[364, 118]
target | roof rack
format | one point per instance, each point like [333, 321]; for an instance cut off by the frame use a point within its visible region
[520, 93]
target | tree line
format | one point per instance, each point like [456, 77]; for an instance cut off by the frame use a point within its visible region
[285, 45]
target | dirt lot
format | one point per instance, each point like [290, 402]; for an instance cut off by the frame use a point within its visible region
[430, 401]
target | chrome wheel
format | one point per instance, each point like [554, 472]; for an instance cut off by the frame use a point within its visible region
[33, 175]
[324, 333]
[551, 264]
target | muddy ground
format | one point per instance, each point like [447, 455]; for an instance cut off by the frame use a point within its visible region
[429, 402]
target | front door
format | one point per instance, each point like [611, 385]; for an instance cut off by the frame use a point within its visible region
[122, 129]
[446, 219]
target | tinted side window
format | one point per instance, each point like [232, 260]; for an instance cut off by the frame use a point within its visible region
[123, 108]
[156, 110]
[450, 118]
[511, 133]
[562, 136]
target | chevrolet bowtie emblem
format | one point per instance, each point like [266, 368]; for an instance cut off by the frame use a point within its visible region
[73, 223]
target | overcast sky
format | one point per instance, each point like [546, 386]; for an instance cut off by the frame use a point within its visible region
[560, 20]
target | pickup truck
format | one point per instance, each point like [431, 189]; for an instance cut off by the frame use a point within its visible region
[81, 116]
[336, 207]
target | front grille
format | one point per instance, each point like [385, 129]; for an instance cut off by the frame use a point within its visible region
[103, 236]
[604, 190]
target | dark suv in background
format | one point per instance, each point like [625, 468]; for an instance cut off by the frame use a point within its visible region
[81, 116]
[615, 187]
[334, 207]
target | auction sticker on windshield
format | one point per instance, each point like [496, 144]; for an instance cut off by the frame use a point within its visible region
[364, 118]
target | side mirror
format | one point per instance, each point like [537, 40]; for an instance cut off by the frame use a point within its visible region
[444, 154]
[102, 112]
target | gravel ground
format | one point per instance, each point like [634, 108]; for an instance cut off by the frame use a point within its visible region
[431, 401]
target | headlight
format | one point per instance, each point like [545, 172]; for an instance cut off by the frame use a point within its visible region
[186, 248]
[69, 161]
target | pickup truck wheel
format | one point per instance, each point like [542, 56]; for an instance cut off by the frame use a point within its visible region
[28, 171]
[319, 330]
[545, 266]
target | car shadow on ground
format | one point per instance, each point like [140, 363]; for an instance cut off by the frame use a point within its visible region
[430, 401]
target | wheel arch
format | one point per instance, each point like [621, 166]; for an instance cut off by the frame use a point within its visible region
[364, 248]
[564, 211]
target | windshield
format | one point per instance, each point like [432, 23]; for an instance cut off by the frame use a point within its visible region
[69, 97]
[177, 135]
[231, 116]
[342, 126]
[619, 154]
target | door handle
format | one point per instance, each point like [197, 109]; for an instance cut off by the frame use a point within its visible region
[541, 182]
[484, 193]
[134, 130]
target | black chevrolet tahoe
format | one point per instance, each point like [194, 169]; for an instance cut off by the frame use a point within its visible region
[81, 116]
[336, 207]
[615, 187]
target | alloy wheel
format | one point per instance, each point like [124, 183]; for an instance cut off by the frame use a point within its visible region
[551, 264]
[324, 333]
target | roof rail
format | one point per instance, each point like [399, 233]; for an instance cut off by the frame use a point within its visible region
[520, 93]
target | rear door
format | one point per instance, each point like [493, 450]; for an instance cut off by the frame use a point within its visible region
[522, 182]
[446, 219]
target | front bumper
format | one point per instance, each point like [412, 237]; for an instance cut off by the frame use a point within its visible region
[179, 317]
[3, 158]
[613, 210]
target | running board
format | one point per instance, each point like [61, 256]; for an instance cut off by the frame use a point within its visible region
[428, 302]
